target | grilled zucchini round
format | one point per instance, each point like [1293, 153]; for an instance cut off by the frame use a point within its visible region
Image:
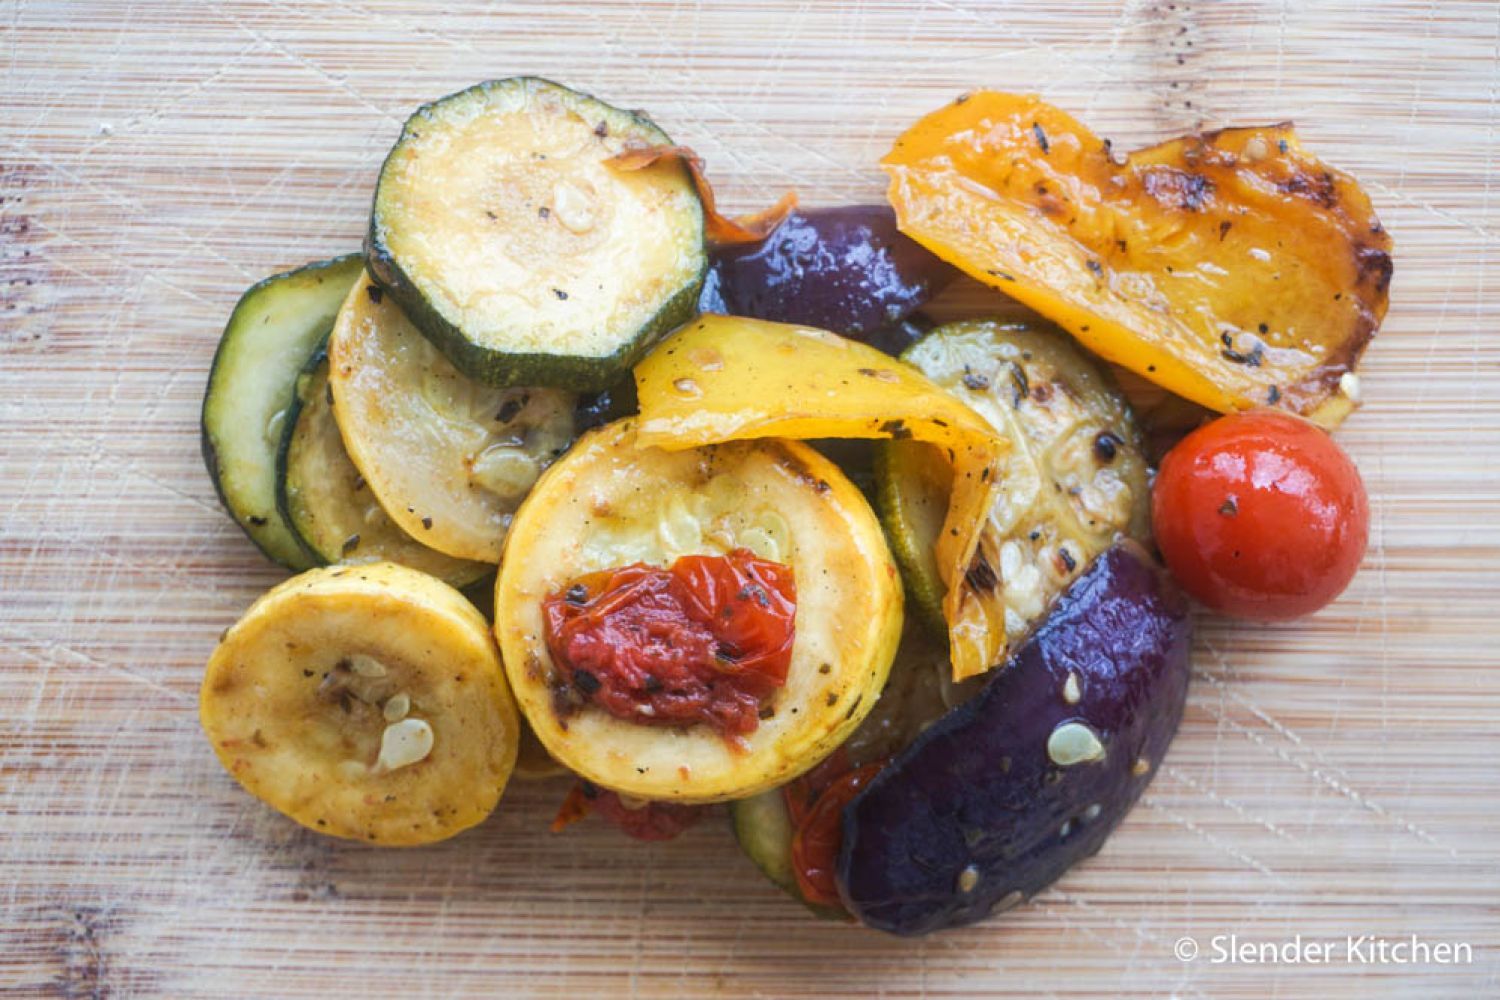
[276, 326]
[448, 458]
[1075, 479]
[328, 504]
[365, 702]
[610, 503]
[503, 232]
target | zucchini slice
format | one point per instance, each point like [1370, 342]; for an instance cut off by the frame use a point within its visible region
[326, 501]
[365, 702]
[447, 457]
[1075, 480]
[502, 230]
[277, 324]
[762, 826]
[611, 502]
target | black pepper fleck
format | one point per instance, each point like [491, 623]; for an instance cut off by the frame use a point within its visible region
[1041, 137]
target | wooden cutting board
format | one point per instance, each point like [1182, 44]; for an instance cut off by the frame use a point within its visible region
[1336, 777]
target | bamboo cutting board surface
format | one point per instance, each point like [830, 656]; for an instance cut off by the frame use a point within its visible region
[1338, 776]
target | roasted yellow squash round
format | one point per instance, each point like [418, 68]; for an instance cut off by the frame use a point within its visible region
[365, 702]
[449, 458]
[609, 503]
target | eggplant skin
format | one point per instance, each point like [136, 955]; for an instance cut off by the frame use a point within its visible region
[974, 815]
[846, 269]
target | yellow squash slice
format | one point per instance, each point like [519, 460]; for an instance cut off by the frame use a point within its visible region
[1233, 267]
[327, 503]
[448, 458]
[726, 378]
[612, 502]
[365, 702]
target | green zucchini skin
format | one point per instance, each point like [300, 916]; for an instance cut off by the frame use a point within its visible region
[900, 506]
[593, 373]
[294, 413]
[575, 372]
[763, 829]
[243, 393]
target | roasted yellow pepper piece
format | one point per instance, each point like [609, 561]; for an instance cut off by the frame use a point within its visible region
[726, 378]
[1230, 267]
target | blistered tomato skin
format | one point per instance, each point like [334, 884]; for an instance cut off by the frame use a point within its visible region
[1260, 515]
[815, 844]
[707, 640]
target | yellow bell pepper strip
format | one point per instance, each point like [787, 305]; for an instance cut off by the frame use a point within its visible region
[726, 378]
[1231, 267]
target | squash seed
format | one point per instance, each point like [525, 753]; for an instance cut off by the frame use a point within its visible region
[573, 208]
[397, 707]
[1074, 743]
[402, 743]
[367, 666]
[505, 471]
[1070, 692]
[677, 528]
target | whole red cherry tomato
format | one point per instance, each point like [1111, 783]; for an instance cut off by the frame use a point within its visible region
[820, 834]
[1260, 515]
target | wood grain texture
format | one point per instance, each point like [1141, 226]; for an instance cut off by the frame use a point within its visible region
[1333, 777]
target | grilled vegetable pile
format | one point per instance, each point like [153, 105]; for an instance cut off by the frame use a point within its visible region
[761, 534]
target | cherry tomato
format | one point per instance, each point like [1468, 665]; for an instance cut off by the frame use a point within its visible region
[820, 834]
[706, 640]
[1260, 515]
[651, 821]
[801, 793]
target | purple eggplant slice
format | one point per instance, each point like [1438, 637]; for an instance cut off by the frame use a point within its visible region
[1004, 793]
[845, 269]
